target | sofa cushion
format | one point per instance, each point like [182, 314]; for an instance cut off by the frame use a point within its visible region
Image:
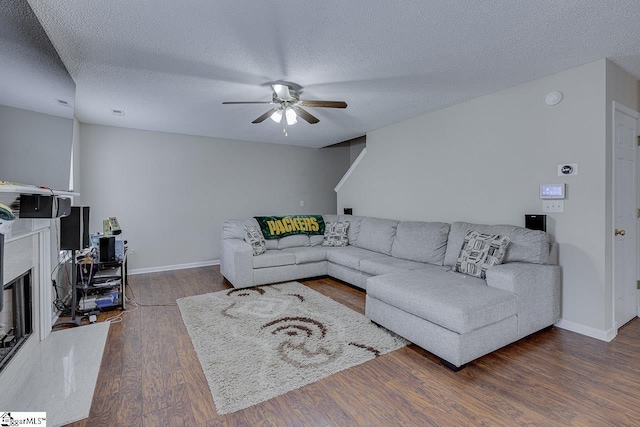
[294, 241]
[234, 228]
[454, 301]
[330, 218]
[387, 264]
[479, 252]
[350, 256]
[377, 235]
[526, 245]
[272, 244]
[305, 255]
[274, 258]
[354, 226]
[335, 234]
[253, 236]
[421, 241]
[316, 240]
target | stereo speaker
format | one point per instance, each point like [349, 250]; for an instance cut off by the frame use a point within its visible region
[107, 249]
[74, 229]
[535, 222]
[43, 206]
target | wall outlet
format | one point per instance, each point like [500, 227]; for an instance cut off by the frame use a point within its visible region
[301, 203]
[551, 206]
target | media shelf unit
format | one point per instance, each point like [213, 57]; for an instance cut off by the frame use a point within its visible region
[109, 280]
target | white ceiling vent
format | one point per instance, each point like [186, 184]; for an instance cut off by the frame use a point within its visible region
[118, 112]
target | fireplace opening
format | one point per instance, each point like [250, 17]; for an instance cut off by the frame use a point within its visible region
[16, 317]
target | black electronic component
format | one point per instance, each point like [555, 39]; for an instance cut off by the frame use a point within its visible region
[107, 249]
[43, 206]
[535, 222]
[74, 229]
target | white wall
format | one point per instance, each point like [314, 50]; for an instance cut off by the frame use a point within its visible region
[172, 192]
[355, 147]
[483, 161]
[35, 148]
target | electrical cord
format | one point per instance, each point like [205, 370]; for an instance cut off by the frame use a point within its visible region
[136, 305]
[151, 305]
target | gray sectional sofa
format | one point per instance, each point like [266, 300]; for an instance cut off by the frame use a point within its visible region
[408, 271]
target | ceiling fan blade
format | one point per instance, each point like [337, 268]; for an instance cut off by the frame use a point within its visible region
[264, 117]
[282, 92]
[326, 104]
[306, 116]
[248, 102]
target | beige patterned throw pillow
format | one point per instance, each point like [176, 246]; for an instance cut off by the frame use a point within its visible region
[253, 236]
[481, 251]
[335, 234]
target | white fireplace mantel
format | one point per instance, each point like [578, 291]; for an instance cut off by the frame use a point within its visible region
[32, 189]
[30, 251]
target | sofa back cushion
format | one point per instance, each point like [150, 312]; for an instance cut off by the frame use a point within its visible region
[354, 227]
[526, 245]
[421, 241]
[234, 228]
[377, 235]
[330, 218]
[294, 241]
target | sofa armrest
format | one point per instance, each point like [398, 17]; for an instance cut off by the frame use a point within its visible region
[236, 262]
[537, 288]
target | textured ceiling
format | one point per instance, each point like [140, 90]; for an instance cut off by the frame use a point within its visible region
[170, 64]
[32, 77]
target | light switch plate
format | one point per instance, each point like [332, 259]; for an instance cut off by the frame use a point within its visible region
[553, 206]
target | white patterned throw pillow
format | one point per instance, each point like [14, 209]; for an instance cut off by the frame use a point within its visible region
[335, 234]
[253, 236]
[481, 251]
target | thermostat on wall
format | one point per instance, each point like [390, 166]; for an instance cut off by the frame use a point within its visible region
[553, 191]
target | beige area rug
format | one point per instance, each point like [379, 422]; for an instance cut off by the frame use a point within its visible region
[255, 344]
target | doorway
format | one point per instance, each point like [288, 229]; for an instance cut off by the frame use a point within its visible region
[625, 214]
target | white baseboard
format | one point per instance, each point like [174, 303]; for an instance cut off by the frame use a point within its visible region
[173, 267]
[599, 334]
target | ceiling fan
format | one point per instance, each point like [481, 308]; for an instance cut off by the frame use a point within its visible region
[288, 104]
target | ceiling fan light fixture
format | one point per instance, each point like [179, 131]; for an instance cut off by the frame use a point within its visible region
[291, 116]
[277, 116]
[286, 103]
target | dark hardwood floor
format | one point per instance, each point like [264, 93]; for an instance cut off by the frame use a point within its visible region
[150, 376]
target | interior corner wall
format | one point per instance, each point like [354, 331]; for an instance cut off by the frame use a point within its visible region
[77, 156]
[484, 160]
[172, 192]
